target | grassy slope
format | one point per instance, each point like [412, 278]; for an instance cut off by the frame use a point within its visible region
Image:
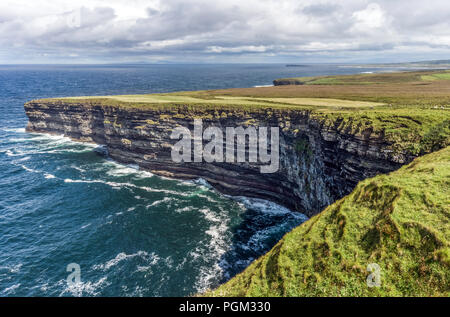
[399, 221]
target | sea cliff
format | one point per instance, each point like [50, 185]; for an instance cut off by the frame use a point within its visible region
[320, 161]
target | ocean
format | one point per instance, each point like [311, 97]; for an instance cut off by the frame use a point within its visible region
[131, 233]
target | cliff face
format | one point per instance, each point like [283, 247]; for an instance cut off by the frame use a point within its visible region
[319, 162]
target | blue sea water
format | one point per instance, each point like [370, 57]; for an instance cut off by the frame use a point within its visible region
[132, 233]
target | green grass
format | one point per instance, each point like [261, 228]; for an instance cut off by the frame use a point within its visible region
[169, 99]
[321, 102]
[411, 113]
[173, 99]
[399, 221]
[367, 79]
[444, 76]
[416, 131]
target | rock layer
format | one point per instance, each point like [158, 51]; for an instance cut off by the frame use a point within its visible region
[319, 162]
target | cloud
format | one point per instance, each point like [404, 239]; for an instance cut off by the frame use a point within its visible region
[321, 10]
[235, 30]
[238, 49]
[371, 17]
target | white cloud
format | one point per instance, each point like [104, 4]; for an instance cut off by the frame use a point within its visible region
[115, 30]
[371, 17]
[237, 49]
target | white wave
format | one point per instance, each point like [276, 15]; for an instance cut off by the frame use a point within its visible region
[62, 151]
[217, 246]
[44, 287]
[29, 169]
[260, 86]
[84, 288]
[46, 175]
[49, 148]
[149, 258]
[152, 261]
[19, 152]
[180, 182]
[258, 239]
[156, 190]
[23, 159]
[17, 130]
[202, 182]
[12, 269]
[210, 215]
[60, 138]
[116, 185]
[112, 184]
[11, 290]
[209, 199]
[9, 153]
[265, 206]
[15, 153]
[117, 169]
[89, 181]
[108, 222]
[121, 171]
[181, 265]
[19, 140]
[158, 202]
[188, 208]
[143, 174]
[50, 143]
[51, 139]
[79, 169]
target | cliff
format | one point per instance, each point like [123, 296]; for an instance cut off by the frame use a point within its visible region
[321, 159]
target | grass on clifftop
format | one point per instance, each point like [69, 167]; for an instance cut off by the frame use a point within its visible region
[222, 101]
[410, 109]
[368, 79]
[427, 88]
[399, 221]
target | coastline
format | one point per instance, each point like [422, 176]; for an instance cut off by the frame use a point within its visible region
[323, 129]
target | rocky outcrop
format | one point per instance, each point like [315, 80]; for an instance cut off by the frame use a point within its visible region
[319, 162]
[287, 81]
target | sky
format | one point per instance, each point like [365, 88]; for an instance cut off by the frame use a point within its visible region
[226, 31]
